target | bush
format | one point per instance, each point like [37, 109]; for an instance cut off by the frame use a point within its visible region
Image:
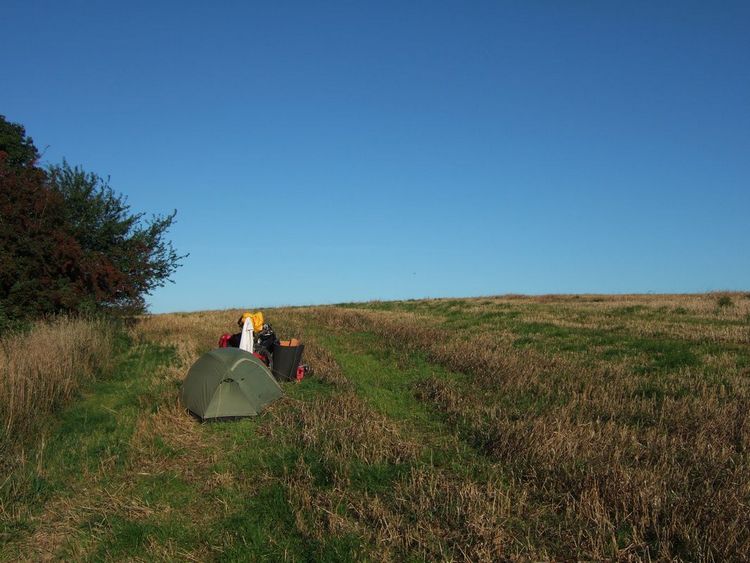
[724, 301]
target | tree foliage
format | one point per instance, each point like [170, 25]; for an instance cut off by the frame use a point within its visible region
[39, 260]
[18, 147]
[69, 242]
[127, 255]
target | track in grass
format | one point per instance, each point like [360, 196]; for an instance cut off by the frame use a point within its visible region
[477, 429]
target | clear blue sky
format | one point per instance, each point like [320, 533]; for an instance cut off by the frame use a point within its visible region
[333, 151]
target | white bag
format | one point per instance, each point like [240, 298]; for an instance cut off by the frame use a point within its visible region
[246, 340]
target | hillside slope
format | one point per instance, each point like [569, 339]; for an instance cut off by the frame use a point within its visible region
[462, 429]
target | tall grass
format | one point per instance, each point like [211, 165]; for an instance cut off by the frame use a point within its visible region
[602, 427]
[42, 368]
[645, 456]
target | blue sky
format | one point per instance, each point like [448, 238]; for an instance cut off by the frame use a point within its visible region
[337, 151]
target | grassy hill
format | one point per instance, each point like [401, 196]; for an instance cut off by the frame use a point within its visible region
[513, 427]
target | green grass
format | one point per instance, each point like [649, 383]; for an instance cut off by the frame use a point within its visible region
[244, 497]
[96, 431]
[388, 381]
[659, 354]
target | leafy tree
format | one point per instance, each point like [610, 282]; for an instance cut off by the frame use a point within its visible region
[68, 242]
[126, 256]
[18, 147]
[40, 261]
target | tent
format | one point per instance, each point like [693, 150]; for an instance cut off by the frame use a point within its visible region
[228, 382]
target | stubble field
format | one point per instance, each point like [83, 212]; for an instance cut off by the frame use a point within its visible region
[552, 427]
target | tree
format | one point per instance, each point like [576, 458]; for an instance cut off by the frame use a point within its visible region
[39, 259]
[126, 256]
[68, 242]
[18, 147]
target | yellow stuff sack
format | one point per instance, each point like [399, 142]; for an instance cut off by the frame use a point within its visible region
[257, 321]
[256, 318]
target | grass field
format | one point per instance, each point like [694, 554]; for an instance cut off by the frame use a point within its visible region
[507, 428]
[41, 368]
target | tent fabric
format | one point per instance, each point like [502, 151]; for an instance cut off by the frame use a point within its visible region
[228, 382]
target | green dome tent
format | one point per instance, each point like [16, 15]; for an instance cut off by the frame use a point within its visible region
[228, 382]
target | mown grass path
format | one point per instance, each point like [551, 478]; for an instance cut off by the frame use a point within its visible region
[406, 444]
[125, 473]
[387, 380]
[82, 477]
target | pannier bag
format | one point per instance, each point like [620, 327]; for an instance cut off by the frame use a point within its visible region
[287, 356]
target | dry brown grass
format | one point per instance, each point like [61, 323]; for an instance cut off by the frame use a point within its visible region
[164, 441]
[194, 333]
[62, 518]
[41, 369]
[431, 513]
[342, 428]
[591, 456]
[632, 464]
